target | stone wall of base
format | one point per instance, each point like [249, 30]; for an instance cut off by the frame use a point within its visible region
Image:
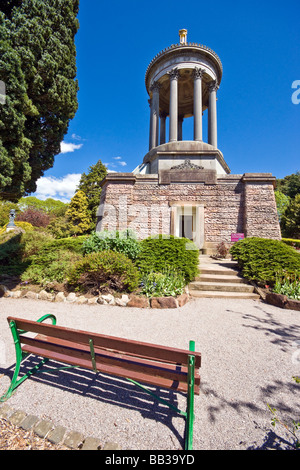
[235, 204]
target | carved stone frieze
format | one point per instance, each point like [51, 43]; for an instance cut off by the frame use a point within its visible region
[187, 165]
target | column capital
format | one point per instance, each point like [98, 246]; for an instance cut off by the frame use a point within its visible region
[198, 73]
[174, 74]
[155, 87]
[213, 86]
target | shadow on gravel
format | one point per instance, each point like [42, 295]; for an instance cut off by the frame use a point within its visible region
[274, 442]
[107, 389]
[278, 332]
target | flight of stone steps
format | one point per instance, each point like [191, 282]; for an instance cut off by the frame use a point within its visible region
[220, 279]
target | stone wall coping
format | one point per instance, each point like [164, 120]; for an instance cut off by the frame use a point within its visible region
[131, 178]
[259, 178]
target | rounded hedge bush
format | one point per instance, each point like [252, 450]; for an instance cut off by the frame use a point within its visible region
[262, 259]
[104, 271]
[160, 252]
[122, 242]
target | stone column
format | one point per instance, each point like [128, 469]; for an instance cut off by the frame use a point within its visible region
[212, 114]
[198, 74]
[174, 75]
[154, 115]
[150, 130]
[163, 117]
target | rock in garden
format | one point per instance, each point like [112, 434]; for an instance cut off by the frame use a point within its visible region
[138, 302]
[92, 300]
[60, 297]
[292, 304]
[82, 299]
[31, 295]
[16, 294]
[163, 302]
[3, 290]
[109, 298]
[182, 300]
[44, 295]
[278, 300]
[71, 297]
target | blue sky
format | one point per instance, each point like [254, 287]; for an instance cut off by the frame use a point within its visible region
[258, 43]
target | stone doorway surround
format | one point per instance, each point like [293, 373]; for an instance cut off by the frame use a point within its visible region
[179, 208]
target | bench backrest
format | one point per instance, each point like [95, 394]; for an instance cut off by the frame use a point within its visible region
[154, 364]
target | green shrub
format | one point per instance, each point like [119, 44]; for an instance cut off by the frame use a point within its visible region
[19, 253]
[51, 266]
[162, 252]
[167, 283]
[74, 244]
[100, 272]
[122, 242]
[26, 226]
[262, 259]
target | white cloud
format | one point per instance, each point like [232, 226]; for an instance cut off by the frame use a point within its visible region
[123, 163]
[117, 158]
[76, 137]
[69, 147]
[62, 189]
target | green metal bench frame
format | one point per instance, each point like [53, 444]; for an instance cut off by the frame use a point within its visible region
[21, 355]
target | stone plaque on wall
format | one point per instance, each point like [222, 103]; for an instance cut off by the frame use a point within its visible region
[187, 176]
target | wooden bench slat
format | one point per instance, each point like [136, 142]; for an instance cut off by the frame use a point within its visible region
[111, 370]
[141, 349]
[125, 363]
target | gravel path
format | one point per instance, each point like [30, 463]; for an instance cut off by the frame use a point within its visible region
[249, 356]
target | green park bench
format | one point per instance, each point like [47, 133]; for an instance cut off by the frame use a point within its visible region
[135, 361]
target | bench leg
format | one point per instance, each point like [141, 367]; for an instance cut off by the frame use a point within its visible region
[190, 400]
[15, 382]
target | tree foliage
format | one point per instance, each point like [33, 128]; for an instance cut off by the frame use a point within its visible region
[288, 205]
[38, 66]
[290, 220]
[90, 185]
[78, 215]
[290, 185]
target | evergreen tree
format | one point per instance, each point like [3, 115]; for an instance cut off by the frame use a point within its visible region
[90, 185]
[38, 66]
[78, 215]
[289, 185]
[290, 221]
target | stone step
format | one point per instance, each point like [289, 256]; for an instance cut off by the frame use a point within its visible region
[223, 295]
[218, 271]
[220, 286]
[233, 278]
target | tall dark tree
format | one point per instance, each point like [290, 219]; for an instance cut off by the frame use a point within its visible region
[38, 67]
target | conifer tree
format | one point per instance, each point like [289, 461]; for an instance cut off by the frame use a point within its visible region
[78, 215]
[38, 67]
[90, 185]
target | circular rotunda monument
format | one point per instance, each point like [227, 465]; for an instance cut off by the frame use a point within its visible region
[184, 187]
[182, 82]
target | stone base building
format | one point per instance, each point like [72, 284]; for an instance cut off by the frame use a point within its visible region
[185, 188]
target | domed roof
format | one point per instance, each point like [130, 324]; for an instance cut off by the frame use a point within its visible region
[184, 51]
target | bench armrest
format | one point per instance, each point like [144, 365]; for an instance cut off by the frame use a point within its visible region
[45, 317]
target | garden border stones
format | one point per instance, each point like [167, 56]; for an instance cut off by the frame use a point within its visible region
[57, 435]
[123, 301]
[282, 301]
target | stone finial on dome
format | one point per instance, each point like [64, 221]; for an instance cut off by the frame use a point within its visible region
[183, 36]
